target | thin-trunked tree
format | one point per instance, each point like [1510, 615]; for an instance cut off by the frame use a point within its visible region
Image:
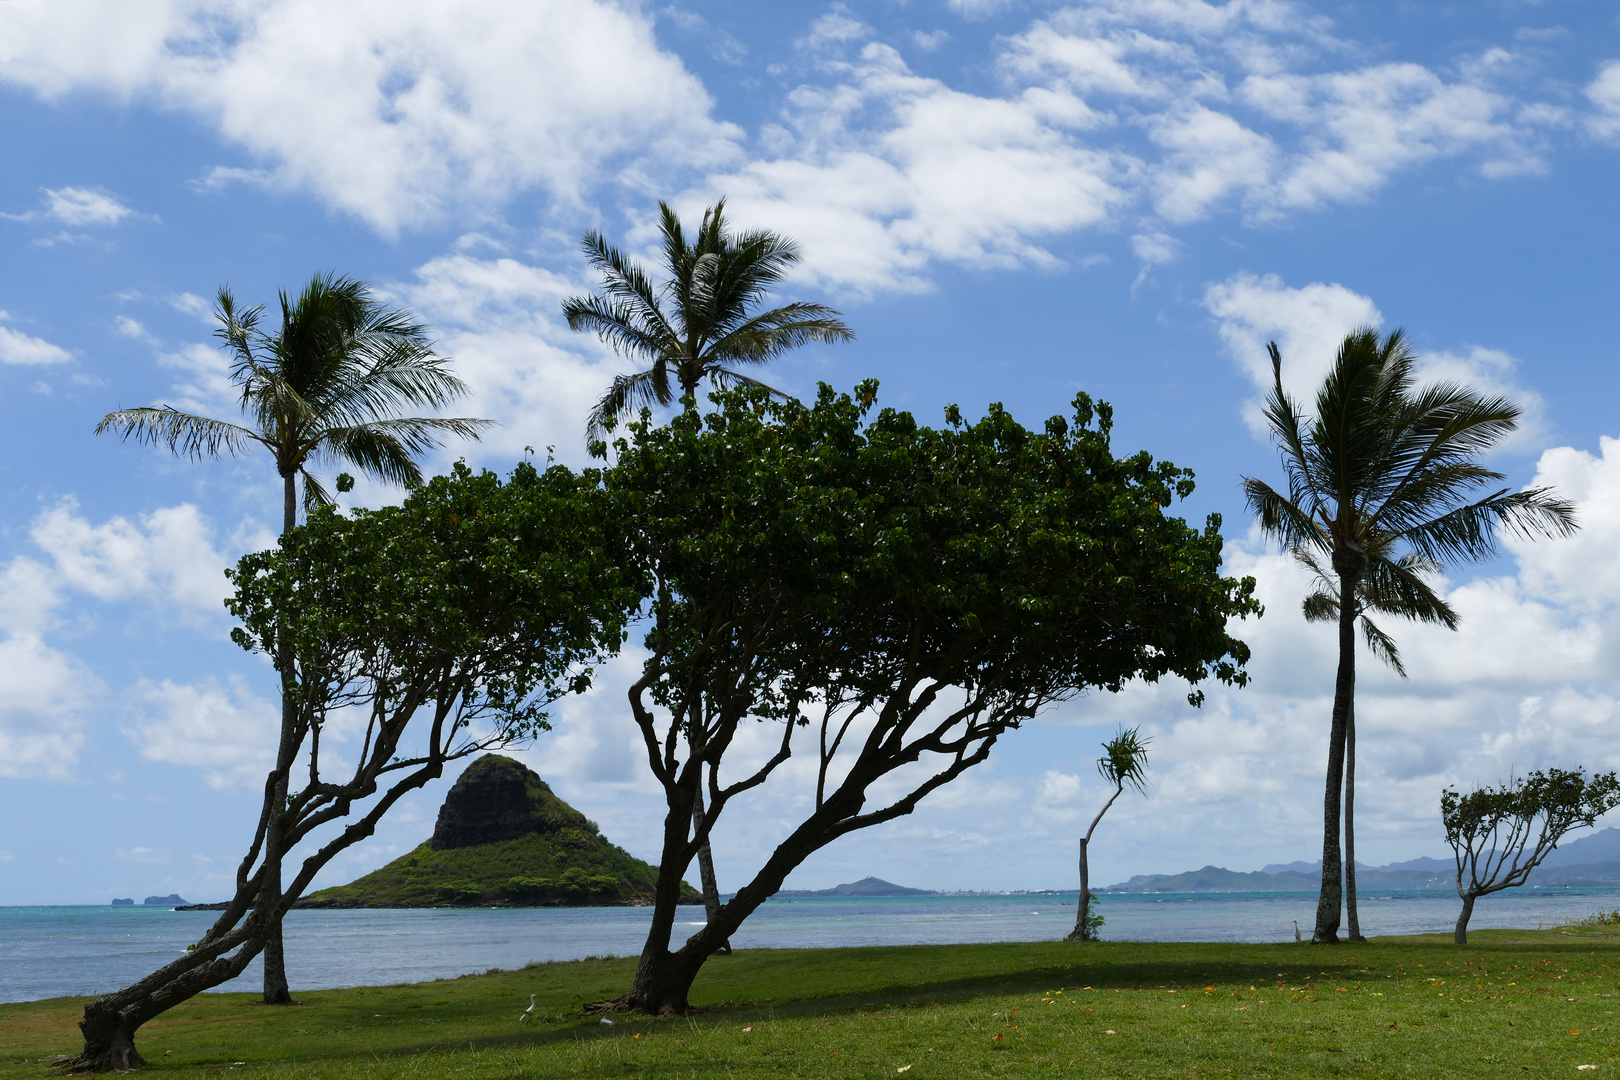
[327, 387]
[1499, 835]
[701, 323]
[431, 631]
[890, 599]
[1384, 487]
[1123, 764]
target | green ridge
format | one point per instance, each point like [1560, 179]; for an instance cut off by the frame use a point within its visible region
[504, 839]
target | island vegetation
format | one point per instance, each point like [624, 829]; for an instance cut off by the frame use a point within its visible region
[504, 839]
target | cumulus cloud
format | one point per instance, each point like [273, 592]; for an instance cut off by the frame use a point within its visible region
[888, 170]
[166, 559]
[1308, 323]
[167, 555]
[19, 348]
[224, 729]
[501, 321]
[1183, 109]
[393, 112]
[45, 696]
[84, 206]
[1604, 93]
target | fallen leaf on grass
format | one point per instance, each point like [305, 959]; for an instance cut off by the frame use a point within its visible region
[745, 1029]
[1110, 1031]
[1586, 1068]
[996, 1037]
[902, 1068]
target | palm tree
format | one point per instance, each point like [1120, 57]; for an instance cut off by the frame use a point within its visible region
[323, 389]
[1381, 493]
[713, 283]
[1124, 762]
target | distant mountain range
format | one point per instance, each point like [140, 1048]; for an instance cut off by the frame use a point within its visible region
[867, 886]
[1591, 860]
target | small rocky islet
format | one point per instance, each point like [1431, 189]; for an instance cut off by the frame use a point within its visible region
[504, 839]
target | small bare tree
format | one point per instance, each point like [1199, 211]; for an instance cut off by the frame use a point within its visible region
[1499, 835]
[1124, 763]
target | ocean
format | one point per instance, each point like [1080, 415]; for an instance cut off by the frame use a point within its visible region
[58, 951]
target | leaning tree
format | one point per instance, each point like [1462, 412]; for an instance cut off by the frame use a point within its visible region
[890, 599]
[1499, 835]
[1383, 488]
[419, 634]
[326, 386]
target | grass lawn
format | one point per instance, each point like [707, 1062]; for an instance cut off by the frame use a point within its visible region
[1513, 1003]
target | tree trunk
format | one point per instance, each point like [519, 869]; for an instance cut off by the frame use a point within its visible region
[1352, 918]
[711, 888]
[1083, 905]
[1344, 692]
[1462, 919]
[111, 1021]
[109, 1042]
[276, 991]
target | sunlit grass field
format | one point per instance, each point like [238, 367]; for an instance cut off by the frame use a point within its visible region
[1512, 1003]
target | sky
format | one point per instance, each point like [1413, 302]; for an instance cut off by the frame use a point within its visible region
[1009, 200]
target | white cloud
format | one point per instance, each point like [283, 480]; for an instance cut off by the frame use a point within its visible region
[131, 328]
[226, 730]
[1361, 127]
[888, 170]
[143, 856]
[205, 381]
[401, 113]
[1307, 323]
[976, 9]
[392, 111]
[500, 320]
[1604, 93]
[17, 347]
[84, 206]
[44, 698]
[191, 304]
[167, 555]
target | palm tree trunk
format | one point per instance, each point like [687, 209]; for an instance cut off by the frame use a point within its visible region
[1352, 918]
[711, 888]
[276, 991]
[1344, 692]
[1081, 932]
[1083, 905]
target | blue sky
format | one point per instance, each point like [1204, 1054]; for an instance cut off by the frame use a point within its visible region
[1009, 201]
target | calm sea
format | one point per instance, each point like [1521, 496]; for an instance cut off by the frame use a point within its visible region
[57, 951]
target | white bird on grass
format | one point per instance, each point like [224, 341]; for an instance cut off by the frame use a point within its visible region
[527, 1013]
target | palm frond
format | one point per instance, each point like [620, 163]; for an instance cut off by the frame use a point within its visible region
[184, 434]
[1382, 646]
[628, 394]
[1280, 516]
[622, 327]
[1469, 532]
[1124, 760]
[1321, 606]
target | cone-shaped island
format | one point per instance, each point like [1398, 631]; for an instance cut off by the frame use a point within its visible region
[504, 839]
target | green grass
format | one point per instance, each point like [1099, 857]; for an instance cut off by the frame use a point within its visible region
[1513, 1003]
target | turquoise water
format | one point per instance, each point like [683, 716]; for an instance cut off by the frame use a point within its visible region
[56, 951]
